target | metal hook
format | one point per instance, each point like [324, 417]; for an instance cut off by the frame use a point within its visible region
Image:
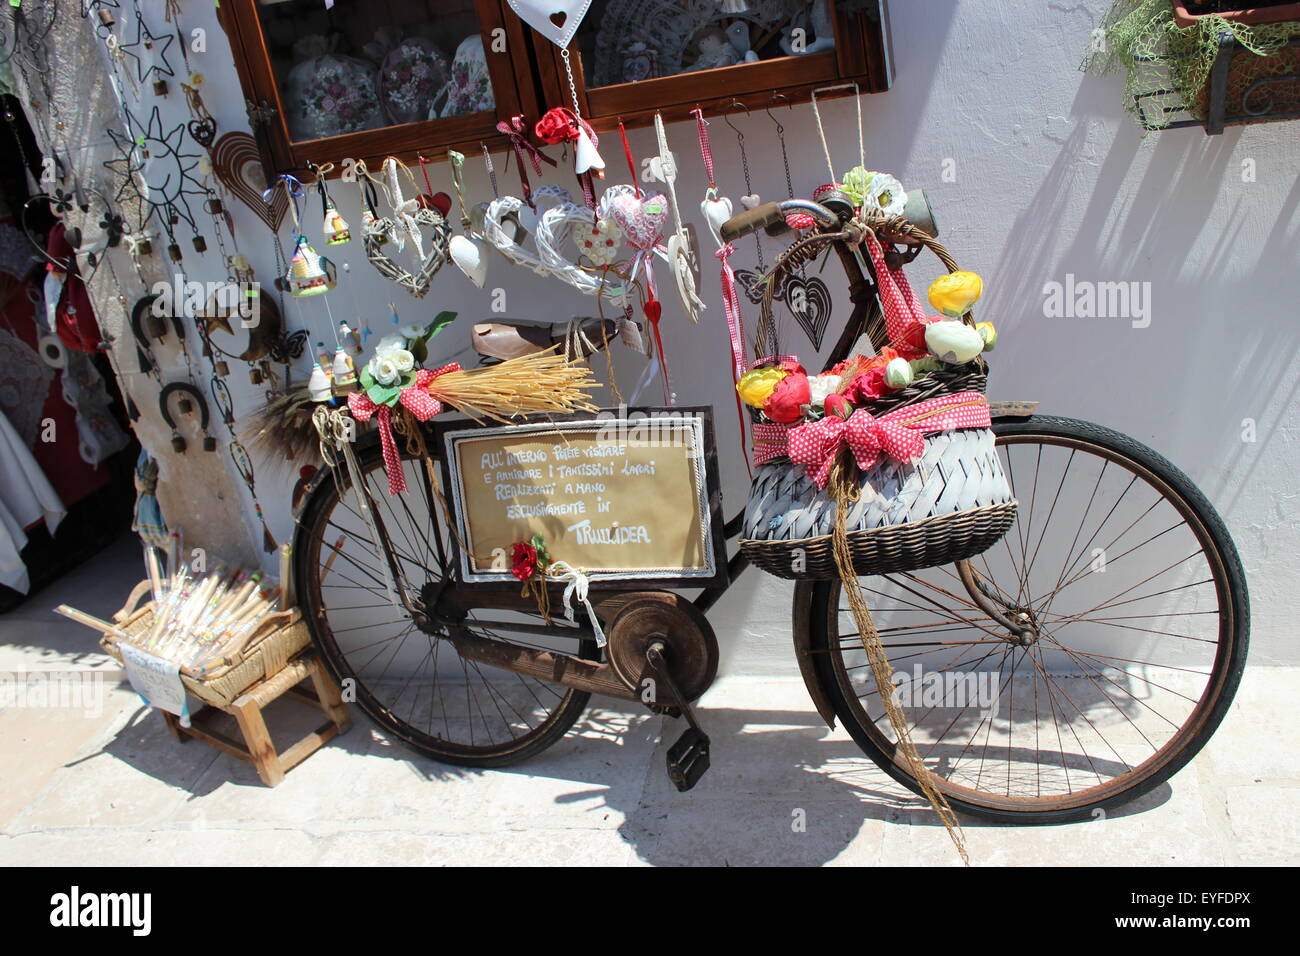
[726, 117]
[780, 130]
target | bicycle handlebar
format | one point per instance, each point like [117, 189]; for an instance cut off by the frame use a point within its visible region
[772, 213]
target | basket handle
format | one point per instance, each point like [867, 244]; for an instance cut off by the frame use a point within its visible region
[893, 229]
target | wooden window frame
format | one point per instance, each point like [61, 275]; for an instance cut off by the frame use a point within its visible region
[862, 54]
[512, 73]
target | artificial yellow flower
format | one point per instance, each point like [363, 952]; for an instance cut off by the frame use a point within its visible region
[757, 385]
[953, 294]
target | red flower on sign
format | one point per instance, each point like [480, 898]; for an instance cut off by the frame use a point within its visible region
[523, 560]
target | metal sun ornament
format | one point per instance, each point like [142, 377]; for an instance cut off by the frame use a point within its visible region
[152, 167]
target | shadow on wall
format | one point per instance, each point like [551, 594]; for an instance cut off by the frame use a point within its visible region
[1180, 219]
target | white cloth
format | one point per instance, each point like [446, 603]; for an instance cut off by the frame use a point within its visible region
[26, 496]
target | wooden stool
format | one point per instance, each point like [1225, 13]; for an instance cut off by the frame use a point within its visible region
[257, 747]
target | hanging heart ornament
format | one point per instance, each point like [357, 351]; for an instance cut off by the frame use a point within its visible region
[683, 254]
[557, 20]
[716, 210]
[238, 165]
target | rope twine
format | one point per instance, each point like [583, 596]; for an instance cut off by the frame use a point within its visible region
[845, 491]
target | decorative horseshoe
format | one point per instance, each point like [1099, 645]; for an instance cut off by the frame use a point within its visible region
[137, 329]
[178, 442]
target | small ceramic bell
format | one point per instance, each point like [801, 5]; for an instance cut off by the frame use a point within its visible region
[318, 386]
[336, 228]
[310, 273]
[585, 157]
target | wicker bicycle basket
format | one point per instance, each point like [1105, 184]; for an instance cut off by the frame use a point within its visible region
[279, 637]
[950, 503]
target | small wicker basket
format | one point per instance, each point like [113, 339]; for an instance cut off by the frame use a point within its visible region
[280, 636]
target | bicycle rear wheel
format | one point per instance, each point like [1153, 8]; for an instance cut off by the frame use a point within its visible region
[1142, 619]
[411, 681]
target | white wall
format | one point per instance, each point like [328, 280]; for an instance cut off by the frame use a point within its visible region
[1051, 177]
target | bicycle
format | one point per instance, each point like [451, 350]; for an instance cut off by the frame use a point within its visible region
[477, 677]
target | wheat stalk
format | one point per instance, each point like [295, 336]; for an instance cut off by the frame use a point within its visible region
[528, 385]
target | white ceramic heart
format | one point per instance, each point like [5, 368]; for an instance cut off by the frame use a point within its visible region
[750, 201]
[716, 211]
[469, 258]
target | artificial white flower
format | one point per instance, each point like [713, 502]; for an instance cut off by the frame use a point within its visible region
[413, 332]
[392, 348]
[884, 196]
[384, 371]
[819, 386]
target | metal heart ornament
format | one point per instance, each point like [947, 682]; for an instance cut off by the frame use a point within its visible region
[238, 164]
[807, 297]
[557, 20]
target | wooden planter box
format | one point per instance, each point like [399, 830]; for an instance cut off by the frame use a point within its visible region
[1243, 87]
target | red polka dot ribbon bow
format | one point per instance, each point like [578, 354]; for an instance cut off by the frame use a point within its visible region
[415, 398]
[899, 434]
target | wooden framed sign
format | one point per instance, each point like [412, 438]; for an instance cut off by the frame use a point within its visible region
[627, 496]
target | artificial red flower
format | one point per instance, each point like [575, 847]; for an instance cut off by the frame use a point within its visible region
[556, 126]
[837, 404]
[523, 560]
[783, 405]
[867, 386]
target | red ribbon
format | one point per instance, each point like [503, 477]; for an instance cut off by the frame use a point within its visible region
[415, 398]
[899, 435]
[514, 131]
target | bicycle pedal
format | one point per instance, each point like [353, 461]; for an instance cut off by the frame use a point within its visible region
[688, 759]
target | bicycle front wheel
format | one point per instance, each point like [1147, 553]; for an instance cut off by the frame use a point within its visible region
[1141, 622]
[410, 680]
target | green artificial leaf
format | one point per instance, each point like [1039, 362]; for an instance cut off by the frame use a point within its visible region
[419, 349]
[440, 322]
[384, 394]
[367, 380]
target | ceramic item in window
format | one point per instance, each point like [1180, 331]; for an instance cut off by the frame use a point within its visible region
[684, 34]
[470, 89]
[330, 94]
[411, 73]
[638, 62]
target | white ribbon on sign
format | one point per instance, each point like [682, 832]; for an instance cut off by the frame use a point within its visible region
[577, 585]
[557, 20]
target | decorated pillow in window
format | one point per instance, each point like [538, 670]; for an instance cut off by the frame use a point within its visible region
[469, 89]
[328, 93]
[411, 73]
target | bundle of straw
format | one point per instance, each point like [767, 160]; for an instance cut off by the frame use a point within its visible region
[528, 385]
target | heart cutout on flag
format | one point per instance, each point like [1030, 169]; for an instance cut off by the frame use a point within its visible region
[238, 165]
[557, 20]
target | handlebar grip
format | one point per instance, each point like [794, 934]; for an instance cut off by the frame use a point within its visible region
[751, 221]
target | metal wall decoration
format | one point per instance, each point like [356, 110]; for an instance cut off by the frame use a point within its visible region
[191, 400]
[238, 165]
[805, 296]
[152, 167]
[23, 37]
[146, 43]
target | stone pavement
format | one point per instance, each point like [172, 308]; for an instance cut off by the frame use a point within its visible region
[114, 788]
